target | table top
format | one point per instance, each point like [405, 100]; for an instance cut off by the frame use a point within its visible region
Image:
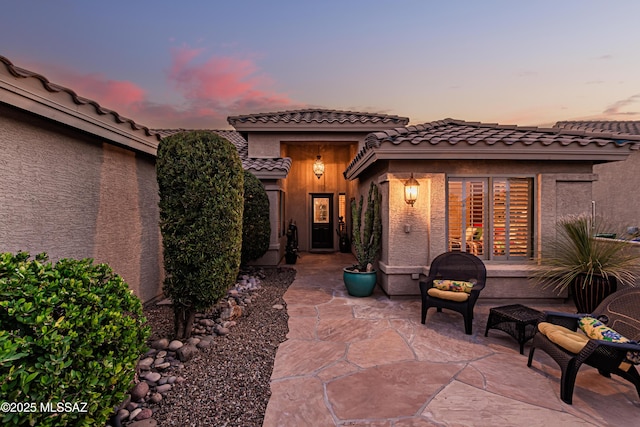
[517, 312]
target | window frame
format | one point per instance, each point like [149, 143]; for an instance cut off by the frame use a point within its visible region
[488, 221]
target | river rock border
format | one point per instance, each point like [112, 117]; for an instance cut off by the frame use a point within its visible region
[158, 370]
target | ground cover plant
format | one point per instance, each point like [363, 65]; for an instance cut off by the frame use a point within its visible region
[70, 336]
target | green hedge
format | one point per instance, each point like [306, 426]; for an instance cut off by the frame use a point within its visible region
[69, 332]
[200, 179]
[256, 228]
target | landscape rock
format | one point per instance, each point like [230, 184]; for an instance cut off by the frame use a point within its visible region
[222, 331]
[175, 344]
[164, 388]
[123, 414]
[152, 377]
[144, 414]
[145, 364]
[187, 352]
[135, 413]
[149, 422]
[139, 391]
[160, 344]
[203, 344]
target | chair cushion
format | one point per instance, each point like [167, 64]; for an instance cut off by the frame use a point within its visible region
[566, 338]
[453, 285]
[596, 330]
[448, 295]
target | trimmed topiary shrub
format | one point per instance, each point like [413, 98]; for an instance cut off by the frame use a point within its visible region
[70, 336]
[256, 228]
[200, 179]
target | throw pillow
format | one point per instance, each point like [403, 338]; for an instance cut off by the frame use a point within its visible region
[453, 285]
[596, 330]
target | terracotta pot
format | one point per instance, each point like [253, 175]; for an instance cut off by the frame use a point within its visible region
[588, 296]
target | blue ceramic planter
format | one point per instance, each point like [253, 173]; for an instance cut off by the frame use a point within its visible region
[359, 284]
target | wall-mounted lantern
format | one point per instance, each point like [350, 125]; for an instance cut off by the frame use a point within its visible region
[318, 167]
[411, 190]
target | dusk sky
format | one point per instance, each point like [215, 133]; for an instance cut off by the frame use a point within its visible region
[190, 64]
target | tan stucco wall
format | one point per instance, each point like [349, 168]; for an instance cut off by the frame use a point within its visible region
[413, 236]
[616, 192]
[73, 196]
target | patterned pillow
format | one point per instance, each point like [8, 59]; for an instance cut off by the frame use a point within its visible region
[453, 285]
[596, 330]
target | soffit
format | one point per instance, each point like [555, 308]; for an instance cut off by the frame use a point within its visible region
[457, 139]
[33, 92]
[316, 120]
[273, 168]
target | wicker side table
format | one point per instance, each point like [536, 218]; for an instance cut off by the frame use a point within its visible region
[517, 320]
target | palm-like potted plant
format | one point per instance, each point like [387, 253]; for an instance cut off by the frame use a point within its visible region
[360, 279]
[590, 267]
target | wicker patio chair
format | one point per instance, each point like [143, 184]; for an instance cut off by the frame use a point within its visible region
[458, 266]
[620, 312]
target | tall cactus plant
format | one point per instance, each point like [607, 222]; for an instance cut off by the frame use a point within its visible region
[367, 241]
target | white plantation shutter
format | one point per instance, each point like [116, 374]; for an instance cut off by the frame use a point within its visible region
[519, 217]
[500, 230]
[467, 201]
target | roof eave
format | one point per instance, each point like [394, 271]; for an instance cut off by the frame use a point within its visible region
[311, 127]
[269, 174]
[372, 155]
[82, 117]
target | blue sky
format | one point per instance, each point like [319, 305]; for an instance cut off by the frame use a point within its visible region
[169, 64]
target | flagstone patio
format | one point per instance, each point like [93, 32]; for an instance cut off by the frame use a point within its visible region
[370, 362]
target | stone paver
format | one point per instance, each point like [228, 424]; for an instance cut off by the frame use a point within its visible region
[370, 362]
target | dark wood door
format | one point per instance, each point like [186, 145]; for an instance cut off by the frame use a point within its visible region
[322, 221]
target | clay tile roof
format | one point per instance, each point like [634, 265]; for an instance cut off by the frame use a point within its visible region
[507, 142]
[458, 131]
[53, 88]
[613, 127]
[282, 164]
[318, 117]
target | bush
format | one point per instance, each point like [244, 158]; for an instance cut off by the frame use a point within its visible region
[256, 228]
[70, 332]
[200, 179]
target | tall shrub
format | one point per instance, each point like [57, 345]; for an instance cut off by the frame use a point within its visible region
[70, 337]
[200, 179]
[256, 229]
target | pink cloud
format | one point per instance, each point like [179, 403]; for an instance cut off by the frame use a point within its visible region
[110, 93]
[223, 80]
[619, 107]
[212, 90]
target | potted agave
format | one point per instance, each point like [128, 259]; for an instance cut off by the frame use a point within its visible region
[360, 279]
[590, 266]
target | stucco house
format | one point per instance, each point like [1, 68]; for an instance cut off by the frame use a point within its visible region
[490, 189]
[77, 180]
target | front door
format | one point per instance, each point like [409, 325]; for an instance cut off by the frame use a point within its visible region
[322, 221]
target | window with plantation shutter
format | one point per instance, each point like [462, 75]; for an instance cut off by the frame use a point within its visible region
[491, 217]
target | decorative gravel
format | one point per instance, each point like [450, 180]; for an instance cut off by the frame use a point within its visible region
[227, 384]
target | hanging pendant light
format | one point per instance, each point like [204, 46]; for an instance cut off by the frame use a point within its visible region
[318, 166]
